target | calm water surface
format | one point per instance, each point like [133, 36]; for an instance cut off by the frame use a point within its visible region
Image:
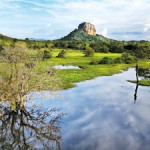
[66, 67]
[102, 114]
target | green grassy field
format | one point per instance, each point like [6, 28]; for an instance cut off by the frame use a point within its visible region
[76, 58]
[69, 77]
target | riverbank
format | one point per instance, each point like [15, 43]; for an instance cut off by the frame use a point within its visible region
[58, 79]
[76, 58]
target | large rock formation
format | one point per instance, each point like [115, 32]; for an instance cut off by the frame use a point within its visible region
[86, 32]
[87, 28]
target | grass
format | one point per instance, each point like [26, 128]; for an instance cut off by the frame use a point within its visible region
[69, 77]
[74, 57]
[141, 82]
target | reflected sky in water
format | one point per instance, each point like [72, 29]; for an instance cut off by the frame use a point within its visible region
[66, 67]
[102, 115]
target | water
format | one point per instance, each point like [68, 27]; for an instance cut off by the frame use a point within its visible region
[66, 67]
[102, 114]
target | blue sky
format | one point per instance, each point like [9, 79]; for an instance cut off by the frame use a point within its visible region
[52, 19]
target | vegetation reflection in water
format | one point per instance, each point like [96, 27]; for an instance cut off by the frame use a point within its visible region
[29, 128]
[34, 127]
[23, 127]
[137, 83]
[143, 74]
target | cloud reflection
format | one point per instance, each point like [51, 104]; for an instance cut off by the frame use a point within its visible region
[102, 115]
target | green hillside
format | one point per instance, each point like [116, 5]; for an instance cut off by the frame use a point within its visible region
[80, 35]
[7, 41]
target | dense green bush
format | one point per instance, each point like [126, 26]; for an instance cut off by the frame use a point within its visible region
[127, 58]
[93, 62]
[143, 52]
[89, 52]
[106, 60]
[47, 55]
[118, 60]
[61, 54]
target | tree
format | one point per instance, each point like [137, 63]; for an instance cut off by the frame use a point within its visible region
[27, 39]
[46, 55]
[95, 46]
[17, 80]
[104, 49]
[127, 58]
[61, 54]
[116, 47]
[106, 60]
[118, 60]
[89, 52]
[29, 128]
[143, 52]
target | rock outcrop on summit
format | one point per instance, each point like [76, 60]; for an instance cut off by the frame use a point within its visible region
[86, 32]
[87, 28]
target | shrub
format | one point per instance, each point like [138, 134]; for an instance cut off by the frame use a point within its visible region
[89, 52]
[106, 60]
[46, 55]
[93, 62]
[61, 54]
[127, 58]
[118, 60]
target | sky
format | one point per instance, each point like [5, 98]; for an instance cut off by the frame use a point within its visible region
[53, 19]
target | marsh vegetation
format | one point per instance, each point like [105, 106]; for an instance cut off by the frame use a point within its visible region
[30, 67]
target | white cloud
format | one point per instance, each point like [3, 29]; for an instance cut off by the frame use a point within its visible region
[105, 32]
[64, 15]
[147, 27]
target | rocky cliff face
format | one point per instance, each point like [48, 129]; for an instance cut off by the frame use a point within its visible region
[87, 28]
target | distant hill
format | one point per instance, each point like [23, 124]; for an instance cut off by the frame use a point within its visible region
[4, 37]
[86, 32]
[6, 41]
[80, 35]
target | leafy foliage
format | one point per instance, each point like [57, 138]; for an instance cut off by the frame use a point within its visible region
[46, 54]
[89, 52]
[19, 75]
[79, 35]
[106, 60]
[61, 54]
[127, 58]
[79, 40]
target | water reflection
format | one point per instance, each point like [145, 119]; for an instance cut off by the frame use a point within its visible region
[136, 90]
[101, 114]
[66, 67]
[137, 82]
[29, 129]
[143, 74]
